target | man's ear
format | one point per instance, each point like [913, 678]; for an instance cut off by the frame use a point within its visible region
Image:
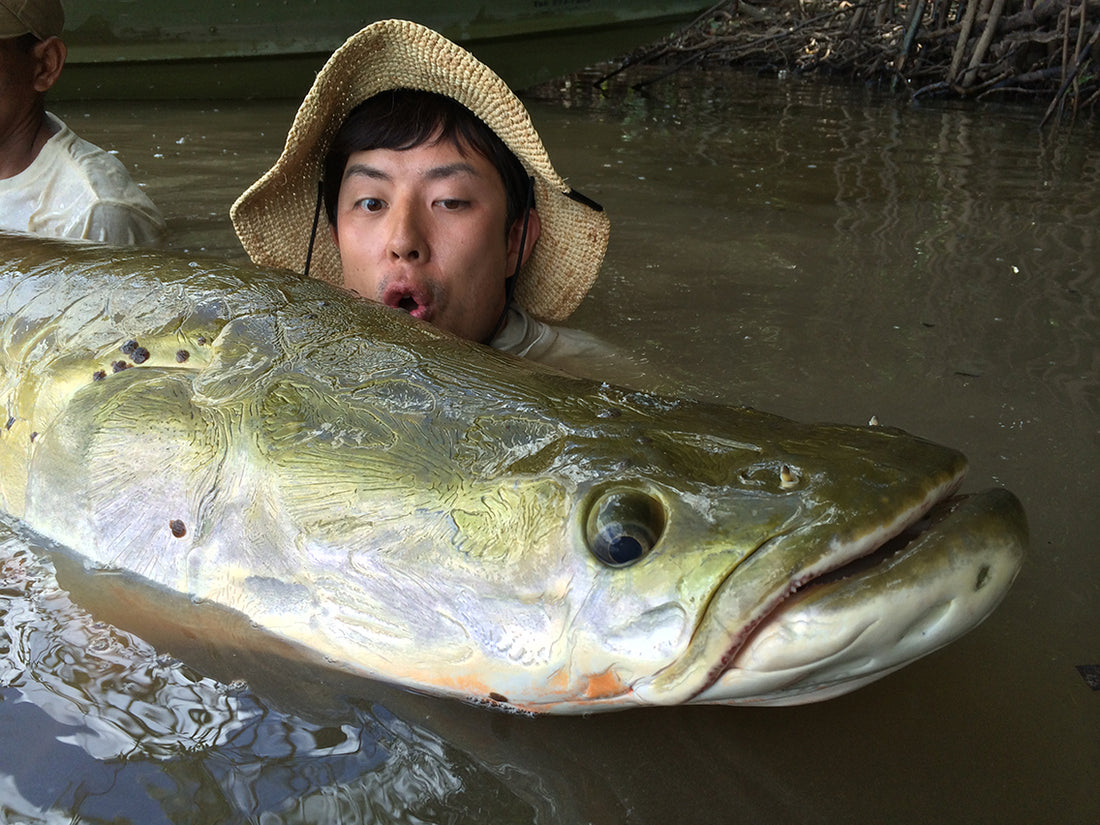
[49, 59]
[534, 229]
[335, 235]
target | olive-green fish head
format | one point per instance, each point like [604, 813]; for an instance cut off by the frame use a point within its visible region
[427, 511]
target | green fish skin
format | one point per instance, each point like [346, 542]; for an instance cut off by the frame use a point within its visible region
[430, 512]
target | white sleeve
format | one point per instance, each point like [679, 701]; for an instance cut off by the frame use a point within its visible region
[121, 224]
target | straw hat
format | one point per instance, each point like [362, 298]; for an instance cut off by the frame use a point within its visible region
[273, 218]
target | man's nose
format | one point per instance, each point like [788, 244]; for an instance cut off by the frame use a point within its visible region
[407, 241]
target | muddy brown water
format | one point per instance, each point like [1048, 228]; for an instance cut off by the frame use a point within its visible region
[813, 250]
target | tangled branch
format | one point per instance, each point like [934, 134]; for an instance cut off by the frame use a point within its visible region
[1046, 49]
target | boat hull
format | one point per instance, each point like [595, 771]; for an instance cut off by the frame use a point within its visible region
[144, 51]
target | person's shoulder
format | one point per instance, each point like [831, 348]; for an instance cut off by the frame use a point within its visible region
[570, 350]
[103, 171]
[116, 209]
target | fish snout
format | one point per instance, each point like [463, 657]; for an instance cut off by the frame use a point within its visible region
[917, 594]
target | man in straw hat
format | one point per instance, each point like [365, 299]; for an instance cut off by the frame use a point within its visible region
[51, 181]
[439, 195]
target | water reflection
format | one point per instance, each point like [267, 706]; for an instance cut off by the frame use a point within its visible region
[123, 732]
[798, 198]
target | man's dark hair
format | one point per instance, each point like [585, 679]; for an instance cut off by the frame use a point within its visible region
[26, 42]
[406, 118]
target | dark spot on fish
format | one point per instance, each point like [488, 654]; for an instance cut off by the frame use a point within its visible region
[118, 366]
[99, 375]
[140, 355]
[129, 347]
[11, 421]
[178, 528]
[609, 413]
[983, 577]
[496, 697]
[34, 435]
[182, 355]
[201, 340]
[311, 316]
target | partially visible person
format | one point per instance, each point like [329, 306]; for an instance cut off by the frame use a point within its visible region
[53, 182]
[439, 196]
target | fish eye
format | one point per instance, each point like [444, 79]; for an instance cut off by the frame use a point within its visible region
[623, 525]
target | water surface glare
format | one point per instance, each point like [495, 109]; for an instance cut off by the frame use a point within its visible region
[812, 250]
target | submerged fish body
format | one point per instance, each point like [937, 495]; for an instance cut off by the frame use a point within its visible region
[430, 512]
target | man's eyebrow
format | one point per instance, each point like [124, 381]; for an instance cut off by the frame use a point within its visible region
[447, 170]
[451, 170]
[366, 171]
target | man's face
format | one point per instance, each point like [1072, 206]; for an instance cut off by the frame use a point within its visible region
[425, 229]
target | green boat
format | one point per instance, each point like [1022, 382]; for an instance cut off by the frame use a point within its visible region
[233, 49]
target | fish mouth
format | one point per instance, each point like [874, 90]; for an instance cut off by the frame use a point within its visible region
[934, 575]
[937, 579]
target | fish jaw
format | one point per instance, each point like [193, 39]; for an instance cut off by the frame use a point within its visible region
[845, 631]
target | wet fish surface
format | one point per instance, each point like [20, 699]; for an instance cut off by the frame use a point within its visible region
[426, 511]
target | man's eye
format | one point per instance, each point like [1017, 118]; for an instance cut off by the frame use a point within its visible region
[370, 204]
[452, 204]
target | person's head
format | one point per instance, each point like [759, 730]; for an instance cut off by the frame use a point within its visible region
[367, 114]
[31, 57]
[428, 208]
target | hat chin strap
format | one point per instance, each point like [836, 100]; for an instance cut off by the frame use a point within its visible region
[313, 231]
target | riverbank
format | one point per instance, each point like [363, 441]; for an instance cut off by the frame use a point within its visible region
[1045, 50]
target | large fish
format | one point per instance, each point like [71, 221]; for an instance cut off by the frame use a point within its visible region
[427, 511]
